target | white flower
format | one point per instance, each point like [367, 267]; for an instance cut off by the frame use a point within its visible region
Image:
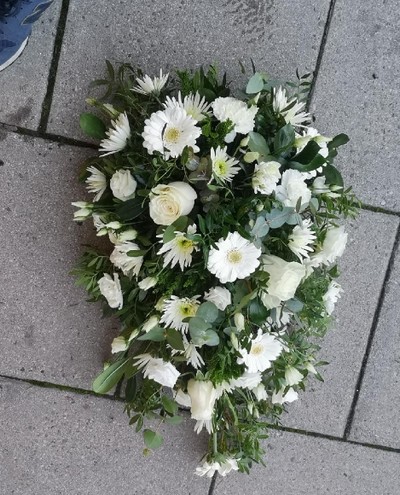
[301, 239]
[239, 321]
[311, 134]
[150, 323]
[170, 201]
[123, 185]
[130, 265]
[162, 372]
[96, 182]
[292, 115]
[223, 387]
[320, 187]
[279, 397]
[117, 137]
[182, 399]
[175, 310]
[120, 237]
[223, 166]
[119, 344]
[235, 257]
[194, 105]
[191, 354]
[202, 396]
[264, 349]
[292, 188]
[220, 296]
[147, 283]
[247, 380]
[223, 468]
[111, 290]
[237, 111]
[293, 376]
[331, 296]
[260, 392]
[180, 249]
[332, 248]
[84, 212]
[266, 176]
[146, 85]
[169, 131]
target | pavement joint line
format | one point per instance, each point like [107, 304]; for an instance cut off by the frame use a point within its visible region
[47, 101]
[375, 321]
[212, 483]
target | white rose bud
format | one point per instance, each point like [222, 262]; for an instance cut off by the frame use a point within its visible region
[293, 376]
[123, 185]
[119, 344]
[220, 296]
[111, 290]
[147, 283]
[202, 396]
[168, 202]
[239, 321]
[150, 323]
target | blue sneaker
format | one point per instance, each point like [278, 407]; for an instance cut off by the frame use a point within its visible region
[16, 19]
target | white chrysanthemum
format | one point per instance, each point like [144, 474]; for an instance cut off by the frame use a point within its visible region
[264, 350]
[208, 469]
[247, 380]
[332, 248]
[235, 257]
[194, 105]
[301, 240]
[130, 265]
[147, 85]
[117, 137]
[279, 396]
[292, 188]
[331, 296]
[176, 309]
[223, 166]
[237, 111]
[266, 176]
[169, 131]
[220, 296]
[293, 376]
[191, 354]
[162, 372]
[96, 182]
[180, 249]
[293, 115]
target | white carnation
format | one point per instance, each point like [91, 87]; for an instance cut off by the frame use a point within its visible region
[220, 296]
[332, 248]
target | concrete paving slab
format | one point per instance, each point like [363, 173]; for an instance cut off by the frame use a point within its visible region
[357, 93]
[301, 465]
[55, 442]
[48, 330]
[279, 36]
[24, 83]
[324, 407]
[377, 417]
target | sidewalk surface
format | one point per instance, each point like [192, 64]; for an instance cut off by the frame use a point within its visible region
[342, 436]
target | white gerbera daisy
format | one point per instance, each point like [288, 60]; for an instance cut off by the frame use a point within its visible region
[235, 257]
[266, 176]
[96, 182]
[176, 309]
[169, 131]
[264, 349]
[331, 296]
[194, 105]
[130, 265]
[117, 137]
[291, 110]
[237, 111]
[147, 85]
[180, 249]
[223, 165]
[301, 239]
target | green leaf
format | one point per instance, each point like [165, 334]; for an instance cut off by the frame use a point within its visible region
[284, 138]
[258, 313]
[92, 126]
[135, 253]
[211, 338]
[310, 151]
[208, 312]
[294, 305]
[338, 140]
[152, 439]
[258, 144]
[198, 324]
[174, 420]
[130, 389]
[333, 176]
[156, 334]
[255, 84]
[131, 209]
[174, 339]
[169, 404]
[111, 376]
[261, 228]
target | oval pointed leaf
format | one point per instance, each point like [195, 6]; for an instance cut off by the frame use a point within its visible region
[111, 376]
[92, 126]
[255, 84]
[208, 312]
[152, 439]
[174, 339]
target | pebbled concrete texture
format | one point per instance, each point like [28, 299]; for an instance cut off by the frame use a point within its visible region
[357, 92]
[324, 407]
[55, 442]
[179, 34]
[23, 85]
[377, 414]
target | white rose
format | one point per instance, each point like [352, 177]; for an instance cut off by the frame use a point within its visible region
[220, 296]
[168, 202]
[202, 397]
[284, 277]
[147, 283]
[123, 185]
[292, 188]
[266, 176]
[130, 265]
[332, 248]
[293, 376]
[111, 290]
[119, 344]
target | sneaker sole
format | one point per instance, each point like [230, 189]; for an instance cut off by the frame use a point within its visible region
[15, 56]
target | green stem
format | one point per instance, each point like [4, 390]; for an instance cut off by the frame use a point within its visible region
[215, 442]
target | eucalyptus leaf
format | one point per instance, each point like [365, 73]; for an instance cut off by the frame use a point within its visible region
[258, 144]
[261, 228]
[294, 305]
[208, 311]
[169, 404]
[255, 84]
[284, 138]
[174, 420]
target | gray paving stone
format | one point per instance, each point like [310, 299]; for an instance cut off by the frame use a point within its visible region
[181, 33]
[301, 465]
[23, 84]
[58, 443]
[324, 407]
[377, 417]
[48, 331]
[357, 93]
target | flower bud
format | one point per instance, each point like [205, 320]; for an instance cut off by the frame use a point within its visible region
[251, 156]
[150, 323]
[239, 321]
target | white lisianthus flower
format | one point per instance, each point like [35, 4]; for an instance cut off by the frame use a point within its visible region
[301, 239]
[220, 296]
[175, 310]
[265, 178]
[182, 399]
[202, 397]
[279, 396]
[111, 290]
[319, 186]
[239, 320]
[169, 131]
[332, 248]
[293, 376]
[120, 237]
[98, 223]
[84, 212]
[96, 182]
[194, 105]
[331, 296]
[118, 136]
[247, 380]
[292, 188]
[123, 185]
[180, 249]
[237, 111]
[293, 115]
[235, 257]
[209, 469]
[311, 134]
[260, 392]
[119, 344]
[130, 265]
[162, 372]
[147, 85]
[150, 323]
[147, 283]
[264, 350]
[170, 201]
[223, 166]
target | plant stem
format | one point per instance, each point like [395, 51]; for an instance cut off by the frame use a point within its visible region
[215, 441]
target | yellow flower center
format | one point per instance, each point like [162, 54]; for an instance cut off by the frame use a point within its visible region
[188, 310]
[257, 349]
[234, 256]
[185, 244]
[220, 167]
[172, 135]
